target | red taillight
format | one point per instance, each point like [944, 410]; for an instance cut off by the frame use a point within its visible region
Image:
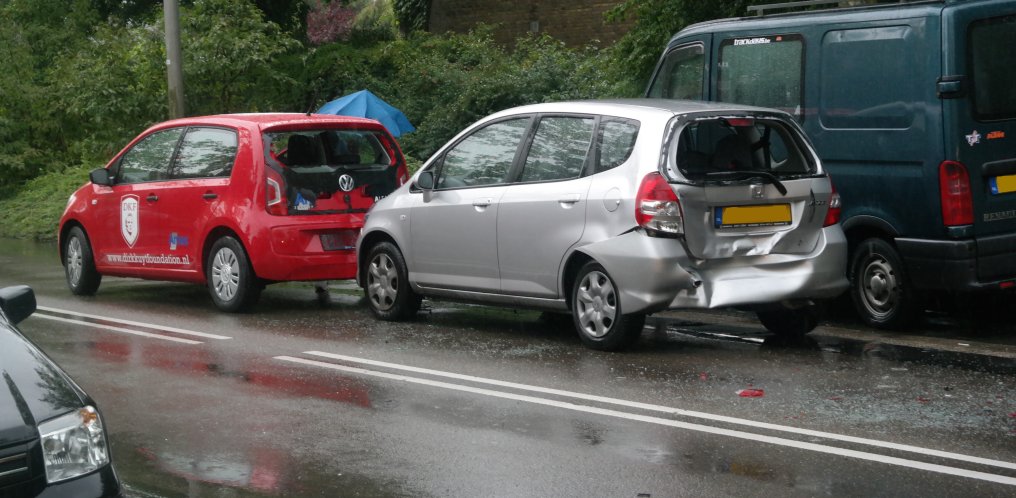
[957, 203]
[275, 200]
[832, 216]
[657, 208]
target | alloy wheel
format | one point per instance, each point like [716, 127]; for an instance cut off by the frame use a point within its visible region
[597, 304]
[382, 282]
[225, 274]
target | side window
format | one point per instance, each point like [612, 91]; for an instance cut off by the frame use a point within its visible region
[614, 143]
[484, 157]
[559, 149]
[681, 75]
[864, 83]
[765, 71]
[148, 160]
[206, 153]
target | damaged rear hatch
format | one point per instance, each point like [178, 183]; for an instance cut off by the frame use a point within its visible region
[748, 185]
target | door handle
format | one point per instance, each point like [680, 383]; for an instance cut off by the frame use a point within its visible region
[483, 202]
[570, 199]
[152, 198]
[210, 195]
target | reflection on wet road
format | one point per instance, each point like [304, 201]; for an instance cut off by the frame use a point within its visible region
[304, 399]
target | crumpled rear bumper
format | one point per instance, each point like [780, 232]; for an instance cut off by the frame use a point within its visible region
[654, 274]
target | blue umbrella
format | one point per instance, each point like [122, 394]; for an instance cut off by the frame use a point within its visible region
[367, 105]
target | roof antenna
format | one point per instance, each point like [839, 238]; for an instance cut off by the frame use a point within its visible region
[313, 100]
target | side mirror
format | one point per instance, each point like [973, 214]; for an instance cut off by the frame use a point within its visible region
[426, 183]
[100, 177]
[18, 302]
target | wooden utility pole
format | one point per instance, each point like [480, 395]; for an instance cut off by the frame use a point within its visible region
[174, 59]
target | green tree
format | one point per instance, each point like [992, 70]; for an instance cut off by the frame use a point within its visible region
[656, 21]
[34, 34]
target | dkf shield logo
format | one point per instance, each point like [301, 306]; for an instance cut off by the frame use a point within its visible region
[129, 227]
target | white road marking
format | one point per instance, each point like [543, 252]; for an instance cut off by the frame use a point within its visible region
[873, 457]
[117, 329]
[137, 324]
[673, 411]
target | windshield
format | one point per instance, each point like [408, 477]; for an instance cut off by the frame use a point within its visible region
[726, 147]
[331, 171]
[992, 59]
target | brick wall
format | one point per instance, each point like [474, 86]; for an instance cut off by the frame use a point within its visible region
[575, 22]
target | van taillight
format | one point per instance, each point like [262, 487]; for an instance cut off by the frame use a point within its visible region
[832, 216]
[656, 207]
[275, 202]
[957, 204]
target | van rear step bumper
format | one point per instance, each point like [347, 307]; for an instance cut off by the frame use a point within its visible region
[985, 263]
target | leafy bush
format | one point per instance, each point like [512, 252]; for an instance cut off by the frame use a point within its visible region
[445, 82]
[34, 211]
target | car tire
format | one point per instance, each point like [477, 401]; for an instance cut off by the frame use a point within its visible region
[597, 314]
[790, 323]
[879, 286]
[386, 284]
[79, 264]
[231, 280]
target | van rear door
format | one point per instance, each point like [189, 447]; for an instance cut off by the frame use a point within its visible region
[980, 110]
[980, 124]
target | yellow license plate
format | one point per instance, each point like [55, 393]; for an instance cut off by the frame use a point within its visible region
[769, 215]
[1003, 184]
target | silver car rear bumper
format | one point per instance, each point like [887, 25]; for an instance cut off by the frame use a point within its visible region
[655, 274]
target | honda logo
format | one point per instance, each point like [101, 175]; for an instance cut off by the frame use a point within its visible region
[758, 192]
[346, 183]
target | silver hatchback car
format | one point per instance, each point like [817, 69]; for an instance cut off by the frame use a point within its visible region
[612, 210]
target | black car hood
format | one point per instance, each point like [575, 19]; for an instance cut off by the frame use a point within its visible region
[33, 389]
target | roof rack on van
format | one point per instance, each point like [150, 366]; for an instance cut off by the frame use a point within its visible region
[761, 10]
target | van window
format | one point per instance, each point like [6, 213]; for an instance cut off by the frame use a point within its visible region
[864, 82]
[766, 71]
[681, 75]
[992, 59]
[721, 145]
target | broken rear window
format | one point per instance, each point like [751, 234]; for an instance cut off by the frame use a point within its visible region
[332, 170]
[715, 146]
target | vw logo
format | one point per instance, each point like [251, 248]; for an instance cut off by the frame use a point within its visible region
[346, 183]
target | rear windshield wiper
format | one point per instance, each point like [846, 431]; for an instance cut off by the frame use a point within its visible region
[750, 174]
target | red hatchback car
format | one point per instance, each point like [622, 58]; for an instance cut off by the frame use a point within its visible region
[232, 201]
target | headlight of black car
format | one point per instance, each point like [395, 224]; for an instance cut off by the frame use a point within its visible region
[73, 444]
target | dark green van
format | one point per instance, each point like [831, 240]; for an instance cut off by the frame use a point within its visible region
[912, 109]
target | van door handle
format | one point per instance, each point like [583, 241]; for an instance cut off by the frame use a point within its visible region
[152, 198]
[210, 195]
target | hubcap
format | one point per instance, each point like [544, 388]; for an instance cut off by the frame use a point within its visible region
[880, 287]
[596, 304]
[74, 261]
[382, 282]
[225, 274]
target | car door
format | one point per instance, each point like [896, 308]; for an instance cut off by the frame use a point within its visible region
[200, 173]
[454, 234]
[128, 213]
[543, 214]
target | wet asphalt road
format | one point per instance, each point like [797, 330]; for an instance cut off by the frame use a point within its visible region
[305, 399]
